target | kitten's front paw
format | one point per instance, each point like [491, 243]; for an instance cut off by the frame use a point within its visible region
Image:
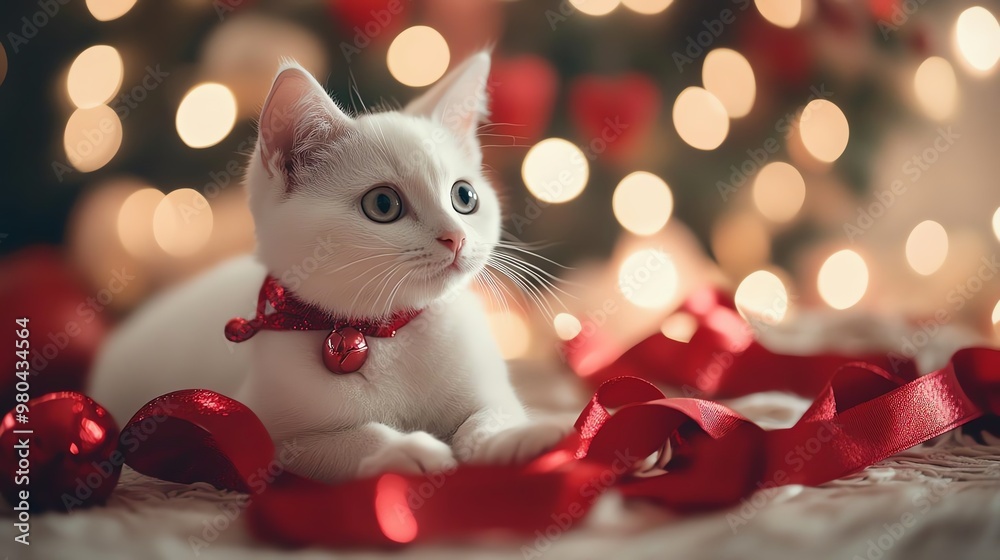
[520, 444]
[413, 453]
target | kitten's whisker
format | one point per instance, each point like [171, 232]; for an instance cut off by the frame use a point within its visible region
[533, 292]
[538, 270]
[362, 259]
[532, 253]
[545, 284]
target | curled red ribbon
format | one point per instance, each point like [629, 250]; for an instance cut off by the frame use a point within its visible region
[865, 410]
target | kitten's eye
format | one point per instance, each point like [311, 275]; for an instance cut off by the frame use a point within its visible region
[464, 198]
[382, 204]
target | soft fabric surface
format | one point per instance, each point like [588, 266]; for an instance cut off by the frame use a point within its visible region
[941, 499]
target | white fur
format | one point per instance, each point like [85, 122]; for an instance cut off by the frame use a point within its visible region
[437, 391]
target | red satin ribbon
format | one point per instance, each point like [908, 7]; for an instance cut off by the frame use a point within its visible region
[862, 414]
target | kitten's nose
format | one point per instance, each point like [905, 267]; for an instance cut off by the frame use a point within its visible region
[453, 241]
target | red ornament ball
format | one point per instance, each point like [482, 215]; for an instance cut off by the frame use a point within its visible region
[345, 350]
[70, 458]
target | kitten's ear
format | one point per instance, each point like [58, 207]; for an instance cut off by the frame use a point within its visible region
[459, 100]
[298, 120]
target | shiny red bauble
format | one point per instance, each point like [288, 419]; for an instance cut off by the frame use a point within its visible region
[345, 350]
[67, 461]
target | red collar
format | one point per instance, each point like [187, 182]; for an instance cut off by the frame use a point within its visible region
[293, 314]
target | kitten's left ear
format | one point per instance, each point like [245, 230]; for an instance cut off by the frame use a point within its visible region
[459, 100]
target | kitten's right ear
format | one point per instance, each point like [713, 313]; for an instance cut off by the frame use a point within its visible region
[297, 122]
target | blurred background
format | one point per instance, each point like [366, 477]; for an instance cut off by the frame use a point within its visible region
[805, 154]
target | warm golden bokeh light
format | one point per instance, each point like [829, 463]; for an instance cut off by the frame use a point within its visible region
[843, 279]
[567, 326]
[206, 115]
[783, 13]
[927, 247]
[977, 35]
[996, 314]
[135, 222]
[107, 10]
[642, 203]
[182, 222]
[700, 119]
[647, 7]
[824, 130]
[740, 243]
[418, 56]
[762, 297]
[779, 191]
[95, 76]
[935, 87]
[511, 333]
[555, 170]
[679, 326]
[996, 224]
[648, 278]
[729, 77]
[92, 137]
[596, 7]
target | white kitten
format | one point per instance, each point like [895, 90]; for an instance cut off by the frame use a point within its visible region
[437, 391]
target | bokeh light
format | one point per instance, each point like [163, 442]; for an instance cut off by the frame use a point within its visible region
[729, 77]
[596, 7]
[995, 317]
[779, 191]
[567, 326]
[648, 278]
[642, 203]
[824, 130]
[392, 509]
[107, 10]
[511, 332]
[418, 56]
[843, 279]
[92, 137]
[555, 170]
[135, 222]
[927, 247]
[977, 35]
[996, 224]
[95, 76]
[647, 7]
[783, 13]
[182, 222]
[206, 115]
[679, 326]
[762, 297]
[700, 119]
[935, 87]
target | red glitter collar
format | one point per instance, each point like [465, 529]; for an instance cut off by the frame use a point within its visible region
[293, 314]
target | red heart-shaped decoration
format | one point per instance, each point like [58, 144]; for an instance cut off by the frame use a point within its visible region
[614, 115]
[197, 435]
[522, 94]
